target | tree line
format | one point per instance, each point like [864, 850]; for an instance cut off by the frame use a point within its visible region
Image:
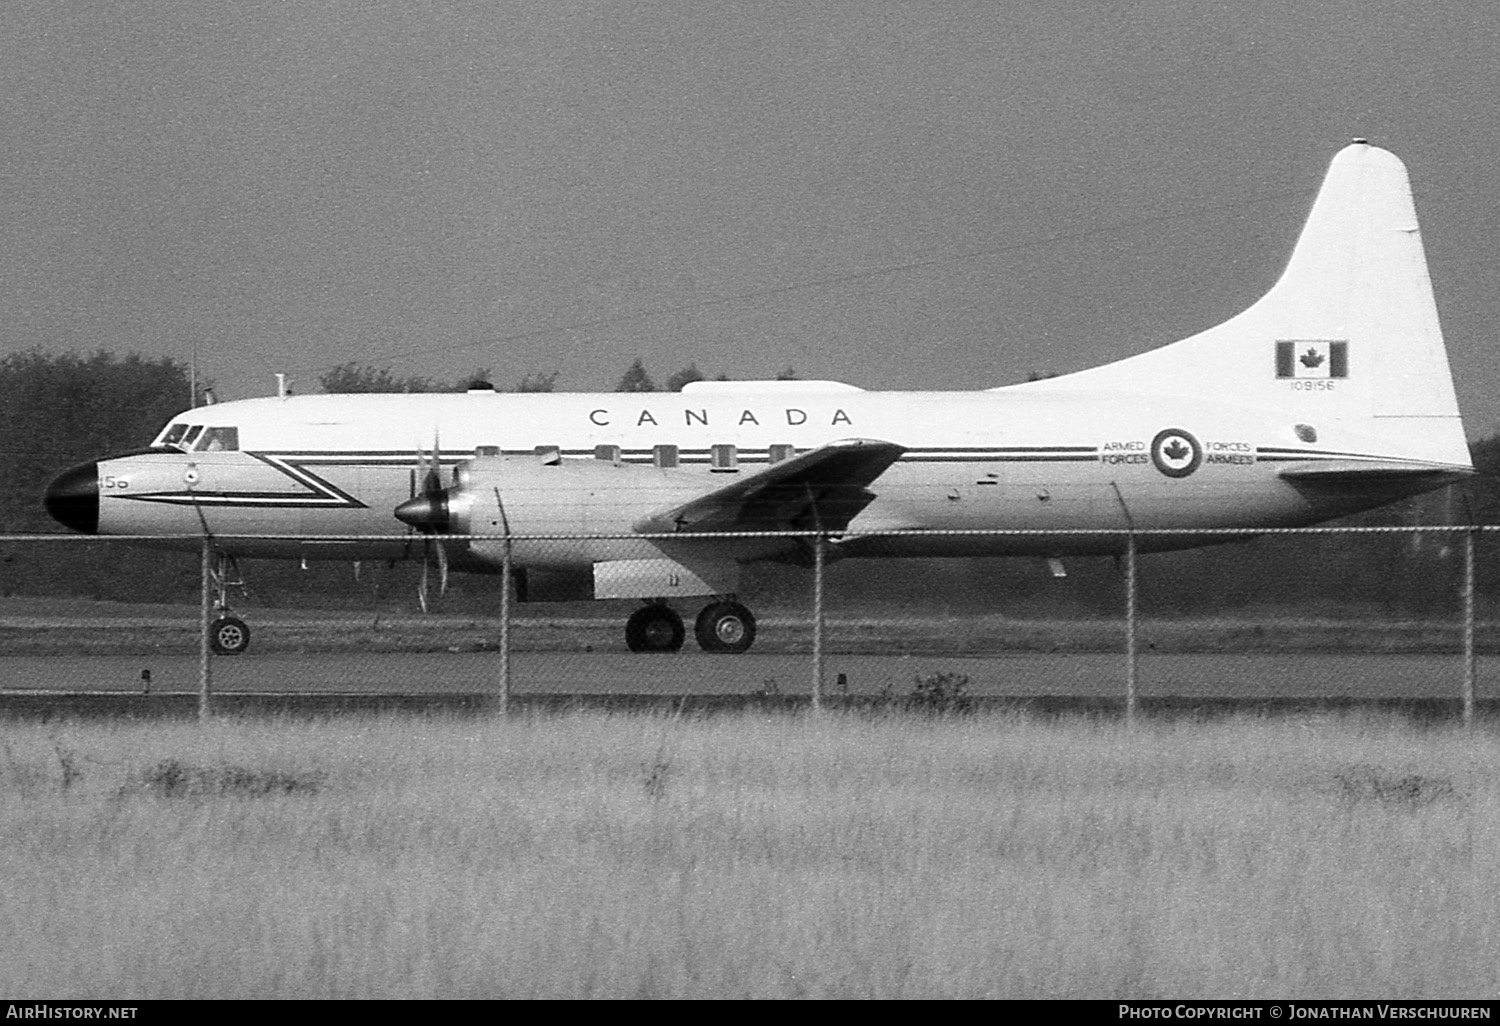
[57, 410]
[360, 377]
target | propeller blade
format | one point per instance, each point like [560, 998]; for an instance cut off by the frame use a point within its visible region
[427, 512]
[433, 483]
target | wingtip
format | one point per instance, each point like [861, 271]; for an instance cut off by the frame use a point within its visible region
[866, 443]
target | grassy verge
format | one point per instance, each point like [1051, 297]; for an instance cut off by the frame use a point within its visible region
[754, 856]
[79, 627]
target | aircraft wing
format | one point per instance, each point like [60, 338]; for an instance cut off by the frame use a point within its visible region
[822, 488]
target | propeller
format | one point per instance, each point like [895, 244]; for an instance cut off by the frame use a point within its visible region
[428, 512]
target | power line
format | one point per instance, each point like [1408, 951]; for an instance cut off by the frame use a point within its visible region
[840, 279]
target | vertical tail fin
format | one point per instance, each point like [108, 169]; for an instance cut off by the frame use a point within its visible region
[1348, 335]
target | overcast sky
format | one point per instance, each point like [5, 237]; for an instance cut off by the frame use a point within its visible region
[897, 195]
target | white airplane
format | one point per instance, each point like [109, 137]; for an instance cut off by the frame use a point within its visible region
[1331, 394]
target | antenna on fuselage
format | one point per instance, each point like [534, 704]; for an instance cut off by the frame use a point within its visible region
[283, 386]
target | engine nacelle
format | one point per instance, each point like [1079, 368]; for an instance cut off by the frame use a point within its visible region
[663, 578]
[588, 509]
[625, 579]
[539, 584]
[526, 495]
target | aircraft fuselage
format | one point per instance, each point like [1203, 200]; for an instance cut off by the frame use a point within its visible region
[331, 470]
[1330, 394]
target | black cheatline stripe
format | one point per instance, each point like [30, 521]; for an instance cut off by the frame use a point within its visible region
[645, 452]
[311, 481]
[459, 454]
[319, 493]
[981, 458]
[299, 460]
[214, 496]
[386, 453]
[374, 461]
[1003, 448]
[247, 499]
[978, 457]
[326, 493]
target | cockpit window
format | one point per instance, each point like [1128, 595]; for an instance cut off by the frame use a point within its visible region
[199, 438]
[219, 439]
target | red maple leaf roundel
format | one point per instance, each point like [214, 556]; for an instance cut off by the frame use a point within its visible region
[1175, 452]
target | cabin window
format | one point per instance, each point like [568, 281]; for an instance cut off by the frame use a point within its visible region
[723, 459]
[608, 453]
[172, 435]
[549, 454]
[782, 452]
[191, 437]
[664, 456]
[219, 439]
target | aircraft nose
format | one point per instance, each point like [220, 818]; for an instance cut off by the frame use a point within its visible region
[72, 499]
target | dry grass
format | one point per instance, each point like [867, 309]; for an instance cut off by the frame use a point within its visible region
[616, 856]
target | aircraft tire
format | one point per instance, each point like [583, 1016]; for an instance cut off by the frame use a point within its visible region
[654, 628]
[228, 635]
[725, 627]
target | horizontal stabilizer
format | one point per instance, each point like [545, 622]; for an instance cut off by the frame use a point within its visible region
[1370, 471]
[822, 489]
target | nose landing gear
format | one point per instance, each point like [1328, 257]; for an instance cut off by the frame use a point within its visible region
[227, 633]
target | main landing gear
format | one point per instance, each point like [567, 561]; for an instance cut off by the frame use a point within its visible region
[227, 634]
[720, 627]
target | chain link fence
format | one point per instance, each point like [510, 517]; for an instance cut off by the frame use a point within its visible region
[1340, 614]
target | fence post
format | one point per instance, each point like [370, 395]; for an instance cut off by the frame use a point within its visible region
[817, 681]
[505, 576]
[1130, 616]
[205, 620]
[1469, 627]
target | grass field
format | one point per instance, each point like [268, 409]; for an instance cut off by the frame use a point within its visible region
[749, 856]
